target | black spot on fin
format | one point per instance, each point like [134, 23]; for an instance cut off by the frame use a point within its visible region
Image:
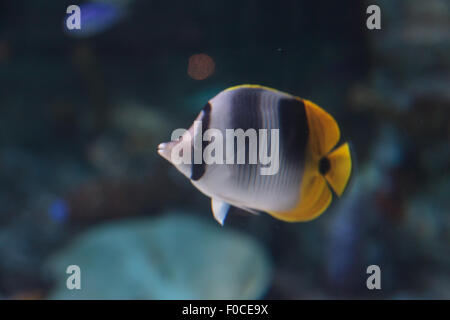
[324, 165]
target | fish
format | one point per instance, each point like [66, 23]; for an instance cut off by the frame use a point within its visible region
[300, 135]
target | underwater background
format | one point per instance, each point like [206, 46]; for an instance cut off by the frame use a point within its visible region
[82, 113]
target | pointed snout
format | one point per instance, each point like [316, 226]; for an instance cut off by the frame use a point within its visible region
[164, 150]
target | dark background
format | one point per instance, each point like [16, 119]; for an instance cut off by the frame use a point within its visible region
[81, 116]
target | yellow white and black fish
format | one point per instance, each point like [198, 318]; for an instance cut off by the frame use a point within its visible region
[310, 165]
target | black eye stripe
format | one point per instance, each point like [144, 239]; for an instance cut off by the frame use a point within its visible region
[198, 170]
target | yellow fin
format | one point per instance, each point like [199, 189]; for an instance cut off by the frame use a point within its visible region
[340, 168]
[257, 86]
[315, 193]
[324, 131]
[315, 197]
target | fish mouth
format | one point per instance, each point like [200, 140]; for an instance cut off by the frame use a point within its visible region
[161, 148]
[164, 151]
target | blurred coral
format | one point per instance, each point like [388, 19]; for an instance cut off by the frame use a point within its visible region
[142, 259]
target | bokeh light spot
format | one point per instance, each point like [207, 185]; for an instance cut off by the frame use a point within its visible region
[59, 210]
[200, 66]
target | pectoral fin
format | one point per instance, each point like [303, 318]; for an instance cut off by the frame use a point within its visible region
[219, 209]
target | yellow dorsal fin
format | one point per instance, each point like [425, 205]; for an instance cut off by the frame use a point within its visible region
[324, 132]
[257, 86]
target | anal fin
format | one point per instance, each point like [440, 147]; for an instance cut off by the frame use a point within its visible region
[315, 197]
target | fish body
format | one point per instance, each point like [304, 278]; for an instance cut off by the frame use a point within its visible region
[300, 140]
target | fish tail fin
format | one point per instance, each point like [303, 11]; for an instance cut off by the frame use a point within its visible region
[340, 168]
